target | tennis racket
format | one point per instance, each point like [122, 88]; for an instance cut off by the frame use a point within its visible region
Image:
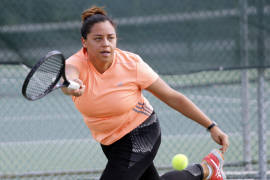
[47, 75]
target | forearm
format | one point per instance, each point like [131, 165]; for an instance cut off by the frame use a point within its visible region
[185, 106]
[182, 104]
[179, 102]
[73, 74]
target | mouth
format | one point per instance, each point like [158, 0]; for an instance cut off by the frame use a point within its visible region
[105, 53]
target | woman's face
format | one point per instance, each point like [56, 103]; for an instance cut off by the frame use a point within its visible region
[101, 41]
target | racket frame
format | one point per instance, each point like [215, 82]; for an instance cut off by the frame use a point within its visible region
[53, 84]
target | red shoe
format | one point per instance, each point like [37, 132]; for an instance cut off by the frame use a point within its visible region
[215, 161]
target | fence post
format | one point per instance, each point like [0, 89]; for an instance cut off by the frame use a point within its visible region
[261, 113]
[245, 84]
[261, 126]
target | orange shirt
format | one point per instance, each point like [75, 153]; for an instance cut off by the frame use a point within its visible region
[113, 104]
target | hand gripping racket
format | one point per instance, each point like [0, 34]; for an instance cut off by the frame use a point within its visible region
[47, 75]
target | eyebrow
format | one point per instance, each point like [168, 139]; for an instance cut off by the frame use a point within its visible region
[103, 35]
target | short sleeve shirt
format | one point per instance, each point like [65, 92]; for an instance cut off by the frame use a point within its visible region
[113, 104]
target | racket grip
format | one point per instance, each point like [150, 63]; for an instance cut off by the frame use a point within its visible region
[73, 85]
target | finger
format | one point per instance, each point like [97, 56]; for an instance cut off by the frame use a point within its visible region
[225, 144]
[223, 149]
[81, 90]
[77, 94]
[83, 86]
[79, 81]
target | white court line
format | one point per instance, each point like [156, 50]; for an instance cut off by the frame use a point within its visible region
[138, 20]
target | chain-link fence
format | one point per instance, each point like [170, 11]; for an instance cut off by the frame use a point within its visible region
[216, 52]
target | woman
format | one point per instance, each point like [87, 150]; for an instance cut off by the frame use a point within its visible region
[119, 117]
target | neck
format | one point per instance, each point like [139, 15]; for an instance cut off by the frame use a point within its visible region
[101, 66]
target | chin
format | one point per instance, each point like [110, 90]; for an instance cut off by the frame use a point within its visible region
[106, 59]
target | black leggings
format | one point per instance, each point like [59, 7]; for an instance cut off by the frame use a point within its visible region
[131, 157]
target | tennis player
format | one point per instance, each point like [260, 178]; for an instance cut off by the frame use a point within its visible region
[119, 117]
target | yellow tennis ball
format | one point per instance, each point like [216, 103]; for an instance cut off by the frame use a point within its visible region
[179, 162]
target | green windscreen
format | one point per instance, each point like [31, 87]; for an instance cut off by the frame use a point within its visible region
[174, 37]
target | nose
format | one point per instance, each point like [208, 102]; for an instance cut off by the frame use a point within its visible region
[106, 42]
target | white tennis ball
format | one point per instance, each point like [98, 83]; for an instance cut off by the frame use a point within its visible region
[179, 162]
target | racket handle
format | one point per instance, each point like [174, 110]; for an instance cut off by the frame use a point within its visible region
[73, 85]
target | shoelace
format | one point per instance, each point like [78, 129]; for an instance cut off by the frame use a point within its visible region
[218, 174]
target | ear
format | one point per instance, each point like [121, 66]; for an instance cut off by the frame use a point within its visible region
[83, 42]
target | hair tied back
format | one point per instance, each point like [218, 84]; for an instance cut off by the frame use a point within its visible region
[93, 11]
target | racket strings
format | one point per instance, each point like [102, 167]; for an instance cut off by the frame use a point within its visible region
[45, 76]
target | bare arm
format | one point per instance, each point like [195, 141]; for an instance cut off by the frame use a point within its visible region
[73, 74]
[182, 104]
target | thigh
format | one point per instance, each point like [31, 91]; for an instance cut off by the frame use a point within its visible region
[150, 173]
[132, 167]
[133, 155]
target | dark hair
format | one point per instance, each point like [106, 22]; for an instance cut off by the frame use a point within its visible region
[92, 16]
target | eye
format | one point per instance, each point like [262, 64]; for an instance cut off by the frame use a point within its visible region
[97, 38]
[111, 37]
